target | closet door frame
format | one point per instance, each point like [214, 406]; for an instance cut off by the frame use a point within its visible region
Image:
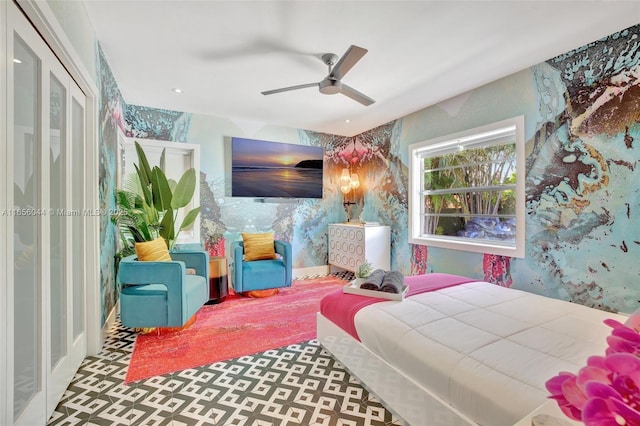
[59, 376]
[4, 178]
[34, 409]
[44, 20]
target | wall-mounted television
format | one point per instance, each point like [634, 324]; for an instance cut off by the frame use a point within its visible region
[263, 169]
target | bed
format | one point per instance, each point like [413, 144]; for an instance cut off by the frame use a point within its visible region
[457, 351]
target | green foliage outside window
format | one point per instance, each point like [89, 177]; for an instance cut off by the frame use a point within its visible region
[467, 184]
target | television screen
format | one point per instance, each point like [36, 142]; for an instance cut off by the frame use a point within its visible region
[275, 170]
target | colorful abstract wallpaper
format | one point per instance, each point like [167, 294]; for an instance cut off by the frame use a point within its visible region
[582, 119]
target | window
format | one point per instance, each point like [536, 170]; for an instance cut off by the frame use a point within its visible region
[467, 190]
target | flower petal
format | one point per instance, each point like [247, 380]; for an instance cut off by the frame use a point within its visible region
[575, 396]
[631, 416]
[627, 333]
[596, 361]
[623, 363]
[554, 384]
[597, 412]
[592, 373]
[634, 320]
[601, 390]
[613, 323]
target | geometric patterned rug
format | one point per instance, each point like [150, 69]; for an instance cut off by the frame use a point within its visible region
[300, 384]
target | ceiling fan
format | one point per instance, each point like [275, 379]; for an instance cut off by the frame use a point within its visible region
[331, 84]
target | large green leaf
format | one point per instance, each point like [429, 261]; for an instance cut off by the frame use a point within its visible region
[151, 214]
[161, 190]
[167, 230]
[144, 184]
[184, 190]
[144, 165]
[189, 218]
[172, 185]
[163, 161]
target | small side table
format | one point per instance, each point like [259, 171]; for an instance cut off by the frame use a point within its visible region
[218, 276]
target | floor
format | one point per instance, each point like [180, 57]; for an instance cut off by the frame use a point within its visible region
[296, 385]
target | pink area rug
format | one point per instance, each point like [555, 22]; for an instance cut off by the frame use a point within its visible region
[236, 327]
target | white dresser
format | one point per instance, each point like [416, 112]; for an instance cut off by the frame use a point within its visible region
[351, 244]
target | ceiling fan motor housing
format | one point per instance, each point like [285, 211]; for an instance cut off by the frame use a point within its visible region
[330, 87]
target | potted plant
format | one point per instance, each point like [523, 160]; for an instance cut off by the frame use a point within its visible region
[364, 270]
[149, 207]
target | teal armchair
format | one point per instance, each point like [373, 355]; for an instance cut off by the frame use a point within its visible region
[162, 294]
[261, 274]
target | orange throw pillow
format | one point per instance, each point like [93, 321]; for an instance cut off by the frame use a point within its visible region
[154, 251]
[258, 246]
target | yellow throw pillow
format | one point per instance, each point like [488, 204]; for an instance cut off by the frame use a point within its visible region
[155, 250]
[258, 246]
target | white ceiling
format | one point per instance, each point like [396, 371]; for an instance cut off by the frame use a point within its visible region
[222, 54]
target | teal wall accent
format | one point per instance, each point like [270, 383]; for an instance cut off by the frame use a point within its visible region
[110, 118]
[573, 132]
[581, 127]
[151, 123]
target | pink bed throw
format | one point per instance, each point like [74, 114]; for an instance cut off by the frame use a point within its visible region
[341, 308]
[431, 282]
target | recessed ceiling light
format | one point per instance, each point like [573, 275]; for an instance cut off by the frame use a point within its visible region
[175, 89]
[17, 61]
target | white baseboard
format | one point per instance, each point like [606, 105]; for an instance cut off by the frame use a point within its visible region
[310, 271]
[111, 319]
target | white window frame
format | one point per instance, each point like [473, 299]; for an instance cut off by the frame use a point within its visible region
[484, 134]
[179, 157]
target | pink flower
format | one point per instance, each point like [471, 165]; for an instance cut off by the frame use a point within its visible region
[606, 392]
[601, 412]
[634, 321]
[623, 339]
[616, 400]
[596, 369]
[567, 394]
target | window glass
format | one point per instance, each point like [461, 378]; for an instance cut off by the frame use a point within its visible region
[468, 190]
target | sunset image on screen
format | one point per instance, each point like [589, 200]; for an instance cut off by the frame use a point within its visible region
[272, 169]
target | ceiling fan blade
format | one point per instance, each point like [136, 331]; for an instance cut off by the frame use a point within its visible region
[348, 60]
[355, 95]
[286, 89]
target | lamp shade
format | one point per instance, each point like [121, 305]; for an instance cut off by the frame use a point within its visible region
[355, 181]
[345, 178]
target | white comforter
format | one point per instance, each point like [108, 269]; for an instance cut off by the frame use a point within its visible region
[485, 349]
